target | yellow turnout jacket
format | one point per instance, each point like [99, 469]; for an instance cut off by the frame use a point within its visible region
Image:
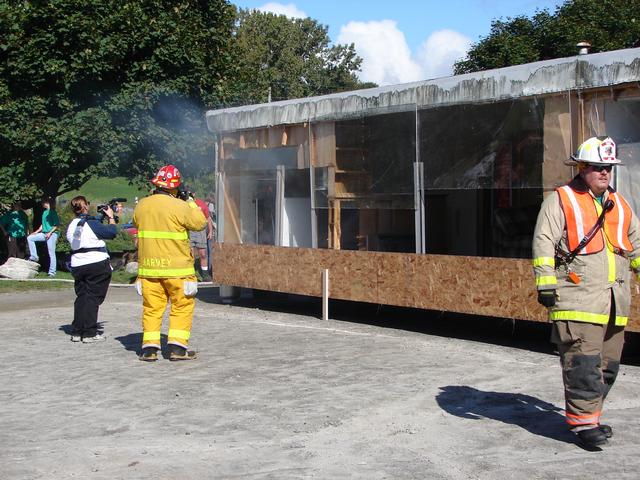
[163, 224]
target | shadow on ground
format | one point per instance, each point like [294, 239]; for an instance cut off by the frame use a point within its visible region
[133, 341]
[521, 334]
[534, 415]
[532, 336]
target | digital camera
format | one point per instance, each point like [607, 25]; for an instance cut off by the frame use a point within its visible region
[113, 203]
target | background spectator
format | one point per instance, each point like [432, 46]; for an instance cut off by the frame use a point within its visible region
[14, 225]
[199, 240]
[46, 232]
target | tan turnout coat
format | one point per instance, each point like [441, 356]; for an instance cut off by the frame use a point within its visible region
[600, 273]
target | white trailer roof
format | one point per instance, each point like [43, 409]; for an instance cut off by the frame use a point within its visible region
[546, 77]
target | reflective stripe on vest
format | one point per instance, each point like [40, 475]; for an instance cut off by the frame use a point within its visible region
[576, 316]
[163, 235]
[581, 215]
[166, 272]
[617, 223]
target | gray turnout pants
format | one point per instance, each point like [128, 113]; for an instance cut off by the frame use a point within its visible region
[590, 359]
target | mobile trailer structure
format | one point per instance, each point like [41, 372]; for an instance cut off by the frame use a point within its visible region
[420, 195]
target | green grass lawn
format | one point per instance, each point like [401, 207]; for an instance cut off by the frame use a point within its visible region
[101, 190]
[8, 286]
[11, 286]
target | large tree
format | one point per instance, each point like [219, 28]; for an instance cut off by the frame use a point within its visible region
[606, 24]
[106, 87]
[289, 58]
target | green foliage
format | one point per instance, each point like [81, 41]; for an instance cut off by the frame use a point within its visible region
[123, 242]
[101, 87]
[107, 88]
[606, 24]
[204, 185]
[122, 277]
[65, 215]
[291, 57]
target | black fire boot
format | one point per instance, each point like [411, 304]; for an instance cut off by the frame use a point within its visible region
[149, 354]
[177, 353]
[592, 438]
[606, 429]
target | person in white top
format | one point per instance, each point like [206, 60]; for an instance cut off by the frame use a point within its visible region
[90, 267]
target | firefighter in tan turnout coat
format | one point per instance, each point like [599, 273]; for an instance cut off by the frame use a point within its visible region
[165, 265]
[586, 238]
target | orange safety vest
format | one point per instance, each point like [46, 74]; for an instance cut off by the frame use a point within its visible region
[581, 215]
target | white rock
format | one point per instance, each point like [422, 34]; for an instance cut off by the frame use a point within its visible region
[131, 267]
[19, 269]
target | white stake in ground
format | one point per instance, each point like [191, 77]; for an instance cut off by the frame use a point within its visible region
[325, 294]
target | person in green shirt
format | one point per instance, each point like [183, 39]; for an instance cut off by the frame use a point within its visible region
[14, 225]
[46, 232]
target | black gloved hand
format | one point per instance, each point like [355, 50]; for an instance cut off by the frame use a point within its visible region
[547, 298]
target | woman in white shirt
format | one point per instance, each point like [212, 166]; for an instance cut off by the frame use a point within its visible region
[90, 267]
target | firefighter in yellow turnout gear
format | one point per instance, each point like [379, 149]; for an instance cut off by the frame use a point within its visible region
[166, 266]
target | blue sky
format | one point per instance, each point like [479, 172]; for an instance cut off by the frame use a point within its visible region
[408, 40]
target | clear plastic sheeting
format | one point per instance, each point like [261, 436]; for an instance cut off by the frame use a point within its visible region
[417, 169]
[622, 123]
[486, 167]
[368, 162]
[250, 208]
[494, 146]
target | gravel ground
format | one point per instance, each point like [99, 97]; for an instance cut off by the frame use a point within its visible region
[278, 395]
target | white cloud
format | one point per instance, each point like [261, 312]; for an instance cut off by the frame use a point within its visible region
[438, 53]
[387, 59]
[290, 9]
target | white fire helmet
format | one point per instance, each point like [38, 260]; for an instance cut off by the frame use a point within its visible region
[596, 150]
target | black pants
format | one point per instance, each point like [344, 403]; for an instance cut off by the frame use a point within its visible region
[16, 246]
[91, 284]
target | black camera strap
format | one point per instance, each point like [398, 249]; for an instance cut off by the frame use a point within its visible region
[565, 258]
[90, 249]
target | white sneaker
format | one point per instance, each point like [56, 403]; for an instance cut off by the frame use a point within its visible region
[98, 338]
[76, 338]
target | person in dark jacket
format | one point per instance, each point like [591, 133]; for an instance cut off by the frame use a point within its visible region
[90, 267]
[15, 225]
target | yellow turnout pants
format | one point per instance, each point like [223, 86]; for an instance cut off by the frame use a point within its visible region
[156, 292]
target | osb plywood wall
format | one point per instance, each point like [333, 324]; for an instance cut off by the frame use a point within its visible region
[475, 285]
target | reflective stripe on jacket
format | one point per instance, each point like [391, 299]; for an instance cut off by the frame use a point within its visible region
[599, 274]
[163, 238]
